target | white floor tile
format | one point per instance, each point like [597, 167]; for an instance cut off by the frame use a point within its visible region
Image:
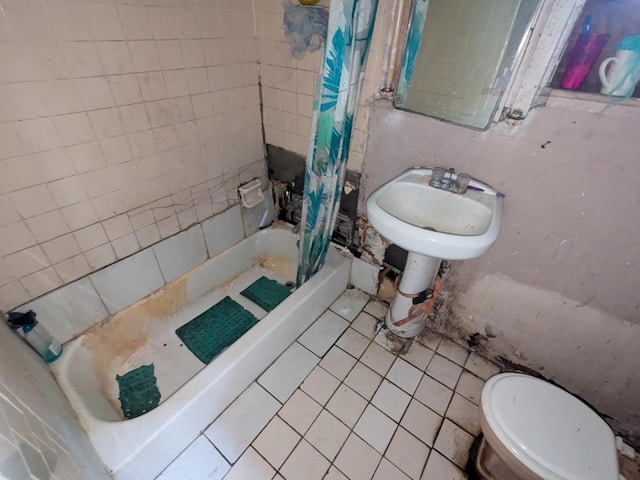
[421, 422]
[276, 442]
[320, 385]
[444, 370]
[377, 309]
[418, 355]
[335, 474]
[323, 333]
[350, 303]
[251, 466]
[327, 434]
[433, 394]
[305, 462]
[391, 400]
[404, 375]
[465, 414]
[481, 367]
[378, 358]
[287, 372]
[453, 351]
[240, 423]
[366, 325]
[454, 443]
[337, 362]
[357, 459]
[347, 405]
[363, 380]
[388, 471]
[353, 342]
[407, 453]
[470, 387]
[300, 411]
[429, 339]
[375, 428]
[199, 460]
[439, 468]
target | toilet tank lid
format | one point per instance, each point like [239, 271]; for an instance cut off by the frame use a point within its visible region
[549, 430]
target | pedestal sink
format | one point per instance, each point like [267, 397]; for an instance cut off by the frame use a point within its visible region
[431, 224]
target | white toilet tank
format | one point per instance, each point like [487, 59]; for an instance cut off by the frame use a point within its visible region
[549, 431]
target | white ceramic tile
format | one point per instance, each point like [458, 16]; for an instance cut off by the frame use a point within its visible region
[439, 468]
[335, 474]
[429, 339]
[178, 254]
[365, 324]
[337, 362]
[377, 358]
[375, 428]
[418, 355]
[128, 280]
[287, 372]
[444, 370]
[323, 333]
[391, 400]
[327, 434]
[421, 422]
[251, 466]
[357, 459]
[305, 462]
[223, 230]
[320, 385]
[364, 276]
[433, 394]
[199, 460]
[300, 411]
[363, 380]
[377, 308]
[407, 453]
[404, 375]
[388, 471]
[347, 405]
[353, 342]
[69, 310]
[350, 303]
[481, 367]
[465, 414]
[452, 351]
[454, 443]
[276, 442]
[234, 430]
[470, 387]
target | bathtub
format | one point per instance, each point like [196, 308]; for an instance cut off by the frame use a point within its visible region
[193, 394]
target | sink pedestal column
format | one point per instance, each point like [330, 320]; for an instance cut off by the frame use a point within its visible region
[419, 274]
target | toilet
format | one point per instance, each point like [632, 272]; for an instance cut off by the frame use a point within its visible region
[534, 430]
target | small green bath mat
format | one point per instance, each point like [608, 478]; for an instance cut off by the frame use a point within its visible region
[138, 391]
[214, 330]
[266, 293]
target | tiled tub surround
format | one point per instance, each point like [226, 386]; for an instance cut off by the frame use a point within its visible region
[121, 124]
[193, 394]
[338, 405]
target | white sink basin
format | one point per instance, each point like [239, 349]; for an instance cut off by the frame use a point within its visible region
[434, 222]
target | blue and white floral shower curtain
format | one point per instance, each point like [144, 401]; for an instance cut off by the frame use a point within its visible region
[350, 29]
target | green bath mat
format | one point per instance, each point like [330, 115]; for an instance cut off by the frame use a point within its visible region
[266, 293]
[217, 328]
[138, 391]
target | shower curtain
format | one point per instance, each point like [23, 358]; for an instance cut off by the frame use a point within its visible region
[350, 29]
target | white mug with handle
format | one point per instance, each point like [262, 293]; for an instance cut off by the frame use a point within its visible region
[612, 77]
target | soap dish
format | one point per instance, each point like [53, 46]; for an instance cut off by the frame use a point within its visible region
[251, 193]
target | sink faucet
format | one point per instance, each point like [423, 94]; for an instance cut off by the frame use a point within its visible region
[449, 180]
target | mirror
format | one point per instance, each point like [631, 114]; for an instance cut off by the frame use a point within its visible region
[459, 57]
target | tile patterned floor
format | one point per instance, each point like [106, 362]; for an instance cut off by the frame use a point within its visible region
[338, 405]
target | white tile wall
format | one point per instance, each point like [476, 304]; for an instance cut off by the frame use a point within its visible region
[222, 231]
[133, 120]
[179, 254]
